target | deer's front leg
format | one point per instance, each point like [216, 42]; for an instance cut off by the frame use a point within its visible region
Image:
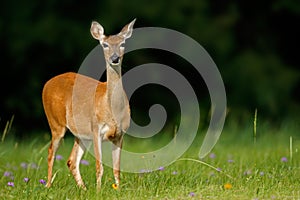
[98, 157]
[102, 134]
[116, 157]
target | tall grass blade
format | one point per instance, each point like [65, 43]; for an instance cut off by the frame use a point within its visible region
[7, 128]
[291, 148]
[44, 147]
[206, 164]
[254, 126]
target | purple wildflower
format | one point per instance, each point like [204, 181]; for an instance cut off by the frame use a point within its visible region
[33, 166]
[261, 173]
[230, 161]
[174, 172]
[24, 165]
[42, 181]
[11, 184]
[26, 180]
[7, 174]
[212, 155]
[58, 157]
[145, 171]
[211, 174]
[273, 197]
[161, 168]
[192, 194]
[84, 162]
[284, 159]
[219, 169]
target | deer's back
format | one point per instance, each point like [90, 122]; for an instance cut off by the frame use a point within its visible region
[69, 101]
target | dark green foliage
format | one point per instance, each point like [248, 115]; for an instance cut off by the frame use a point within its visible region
[253, 43]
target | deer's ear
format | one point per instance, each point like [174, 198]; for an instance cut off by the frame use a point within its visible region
[127, 30]
[97, 31]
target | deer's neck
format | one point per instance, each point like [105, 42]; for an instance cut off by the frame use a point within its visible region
[116, 97]
[114, 84]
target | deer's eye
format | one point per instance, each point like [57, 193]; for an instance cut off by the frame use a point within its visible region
[122, 45]
[105, 45]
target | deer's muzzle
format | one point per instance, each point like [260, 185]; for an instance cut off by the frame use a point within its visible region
[115, 59]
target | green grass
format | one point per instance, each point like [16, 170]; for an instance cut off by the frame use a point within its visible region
[257, 170]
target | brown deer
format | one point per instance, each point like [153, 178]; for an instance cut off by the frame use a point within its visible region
[96, 111]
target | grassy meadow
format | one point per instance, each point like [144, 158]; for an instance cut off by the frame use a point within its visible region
[239, 167]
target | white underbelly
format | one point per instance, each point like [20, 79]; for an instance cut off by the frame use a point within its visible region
[84, 136]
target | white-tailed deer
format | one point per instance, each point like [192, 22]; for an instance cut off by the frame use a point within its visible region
[103, 116]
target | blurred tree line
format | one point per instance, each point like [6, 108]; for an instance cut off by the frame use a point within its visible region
[253, 43]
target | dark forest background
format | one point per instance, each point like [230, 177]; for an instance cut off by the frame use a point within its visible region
[255, 45]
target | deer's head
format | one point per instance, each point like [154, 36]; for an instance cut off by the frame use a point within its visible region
[113, 45]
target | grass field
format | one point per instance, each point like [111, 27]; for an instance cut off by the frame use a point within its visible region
[268, 169]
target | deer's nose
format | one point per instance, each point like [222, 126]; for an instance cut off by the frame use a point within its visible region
[115, 59]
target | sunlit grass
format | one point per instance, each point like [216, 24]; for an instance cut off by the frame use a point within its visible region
[237, 168]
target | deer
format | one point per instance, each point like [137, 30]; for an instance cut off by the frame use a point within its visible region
[102, 116]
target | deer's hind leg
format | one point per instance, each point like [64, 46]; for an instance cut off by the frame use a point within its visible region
[57, 135]
[74, 161]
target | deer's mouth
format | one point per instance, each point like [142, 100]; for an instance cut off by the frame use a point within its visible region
[114, 64]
